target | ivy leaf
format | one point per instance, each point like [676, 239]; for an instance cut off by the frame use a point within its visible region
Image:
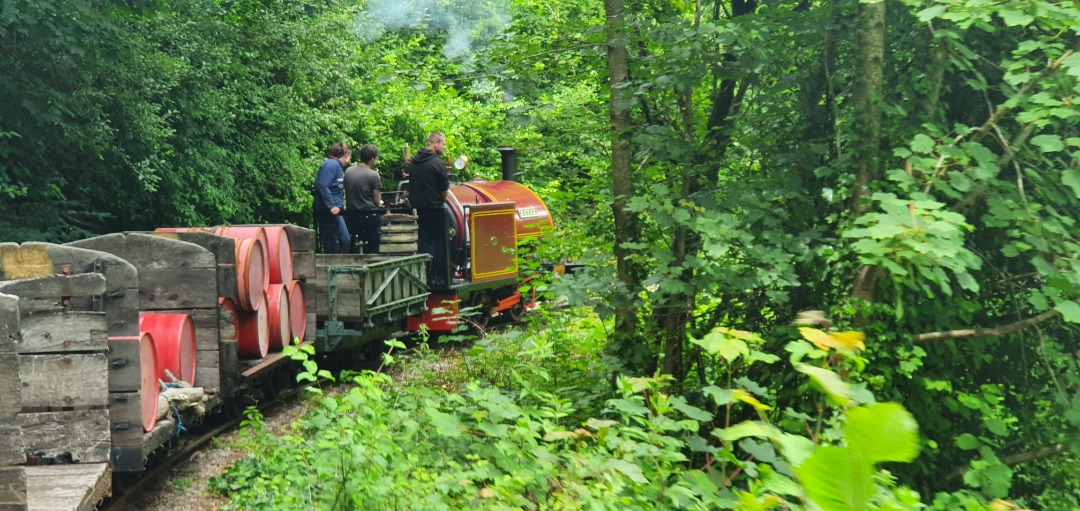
[837, 480]
[1014, 18]
[1049, 143]
[829, 382]
[922, 144]
[629, 470]
[883, 432]
[1071, 178]
[967, 442]
[1070, 311]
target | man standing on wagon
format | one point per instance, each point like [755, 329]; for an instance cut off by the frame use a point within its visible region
[428, 184]
[328, 200]
[363, 193]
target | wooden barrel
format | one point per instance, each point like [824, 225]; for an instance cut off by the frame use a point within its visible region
[399, 234]
[174, 343]
[297, 310]
[252, 275]
[253, 332]
[148, 382]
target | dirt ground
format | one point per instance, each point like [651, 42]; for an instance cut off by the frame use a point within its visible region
[186, 487]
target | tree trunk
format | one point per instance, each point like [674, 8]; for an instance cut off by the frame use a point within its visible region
[622, 185]
[867, 125]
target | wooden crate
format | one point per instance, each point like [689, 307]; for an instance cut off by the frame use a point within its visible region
[368, 287]
[118, 300]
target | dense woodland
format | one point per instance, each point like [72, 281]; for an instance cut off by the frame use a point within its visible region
[726, 169]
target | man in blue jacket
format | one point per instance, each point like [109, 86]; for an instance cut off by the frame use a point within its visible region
[329, 200]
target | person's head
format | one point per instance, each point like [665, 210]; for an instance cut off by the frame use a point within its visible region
[368, 153]
[436, 141]
[341, 152]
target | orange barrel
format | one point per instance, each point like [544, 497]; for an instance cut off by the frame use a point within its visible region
[253, 332]
[297, 310]
[148, 381]
[280, 254]
[174, 342]
[277, 312]
[252, 276]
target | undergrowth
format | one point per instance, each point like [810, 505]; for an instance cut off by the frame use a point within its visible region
[537, 419]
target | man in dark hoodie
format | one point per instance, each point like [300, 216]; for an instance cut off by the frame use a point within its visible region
[428, 184]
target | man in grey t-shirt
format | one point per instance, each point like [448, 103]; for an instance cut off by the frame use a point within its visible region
[363, 198]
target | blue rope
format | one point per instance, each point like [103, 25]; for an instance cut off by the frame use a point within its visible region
[179, 424]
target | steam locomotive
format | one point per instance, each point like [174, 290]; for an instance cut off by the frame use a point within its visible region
[83, 382]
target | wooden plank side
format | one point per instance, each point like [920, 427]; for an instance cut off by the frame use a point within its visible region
[9, 323]
[12, 488]
[301, 239]
[145, 251]
[73, 380]
[229, 366]
[173, 288]
[68, 487]
[223, 249]
[55, 287]
[34, 257]
[309, 333]
[81, 434]
[208, 370]
[11, 448]
[64, 332]
[125, 371]
[125, 412]
[303, 265]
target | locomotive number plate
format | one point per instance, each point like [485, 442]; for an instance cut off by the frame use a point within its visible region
[529, 212]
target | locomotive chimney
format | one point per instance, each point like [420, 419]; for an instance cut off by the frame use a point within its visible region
[509, 163]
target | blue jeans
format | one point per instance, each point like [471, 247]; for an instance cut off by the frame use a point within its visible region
[332, 233]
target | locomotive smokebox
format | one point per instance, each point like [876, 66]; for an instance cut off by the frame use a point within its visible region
[509, 163]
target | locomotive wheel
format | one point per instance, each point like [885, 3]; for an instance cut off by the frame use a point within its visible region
[481, 310]
[517, 313]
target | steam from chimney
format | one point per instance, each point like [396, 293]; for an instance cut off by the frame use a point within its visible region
[466, 22]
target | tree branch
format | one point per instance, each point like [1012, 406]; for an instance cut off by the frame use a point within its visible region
[988, 332]
[1015, 459]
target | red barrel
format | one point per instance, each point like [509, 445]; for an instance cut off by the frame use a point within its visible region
[248, 232]
[148, 387]
[252, 275]
[281, 264]
[277, 312]
[174, 342]
[297, 310]
[253, 332]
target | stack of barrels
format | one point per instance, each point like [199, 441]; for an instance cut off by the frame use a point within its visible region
[268, 308]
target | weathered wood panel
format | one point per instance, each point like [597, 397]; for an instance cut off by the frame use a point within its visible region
[9, 323]
[125, 372]
[125, 412]
[67, 487]
[81, 434]
[73, 380]
[303, 265]
[146, 251]
[55, 287]
[208, 370]
[172, 273]
[12, 488]
[224, 250]
[301, 239]
[172, 288]
[229, 366]
[11, 447]
[64, 332]
[42, 259]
